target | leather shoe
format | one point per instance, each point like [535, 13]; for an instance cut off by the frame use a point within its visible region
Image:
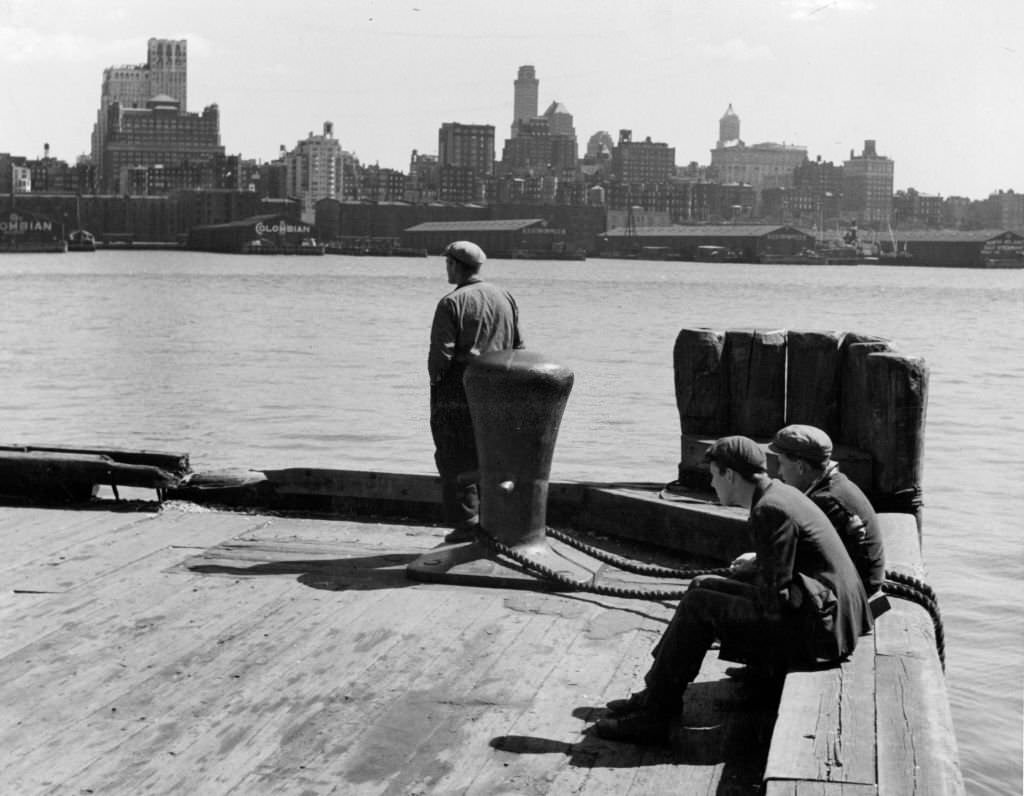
[631, 704]
[647, 729]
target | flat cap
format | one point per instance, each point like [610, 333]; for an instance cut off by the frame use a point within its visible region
[803, 442]
[466, 253]
[737, 453]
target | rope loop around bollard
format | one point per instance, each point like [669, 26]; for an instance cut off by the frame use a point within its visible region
[577, 585]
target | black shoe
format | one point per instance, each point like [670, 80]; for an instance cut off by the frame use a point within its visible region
[646, 729]
[757, 675]
[631, 704]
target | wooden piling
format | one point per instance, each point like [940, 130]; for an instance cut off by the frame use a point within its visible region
[701, 386]
[812, 379]
[855, 401]
[895, 433]
[756, 367]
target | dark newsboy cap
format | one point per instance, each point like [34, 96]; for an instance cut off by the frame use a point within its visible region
[738, 453]
[466, 252]
[803, 442]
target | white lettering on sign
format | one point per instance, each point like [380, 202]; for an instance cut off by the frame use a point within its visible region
[16, 225]
[281, 227]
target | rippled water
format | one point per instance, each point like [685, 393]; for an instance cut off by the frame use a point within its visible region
[272, 362]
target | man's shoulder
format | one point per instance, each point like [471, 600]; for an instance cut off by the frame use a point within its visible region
[779, 496]
[838, 488]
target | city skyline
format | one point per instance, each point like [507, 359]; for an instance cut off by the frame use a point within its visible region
[389, 77]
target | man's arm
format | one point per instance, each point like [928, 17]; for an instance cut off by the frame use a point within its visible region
[443, 332]
[775, 538]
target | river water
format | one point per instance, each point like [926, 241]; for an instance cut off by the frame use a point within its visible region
[269, 362]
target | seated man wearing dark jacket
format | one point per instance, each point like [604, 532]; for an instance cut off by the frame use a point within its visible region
[803, 604]
[805, 462]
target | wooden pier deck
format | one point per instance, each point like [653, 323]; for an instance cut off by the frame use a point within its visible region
[184, 650]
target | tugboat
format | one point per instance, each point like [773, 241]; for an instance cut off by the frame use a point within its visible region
[81, 240]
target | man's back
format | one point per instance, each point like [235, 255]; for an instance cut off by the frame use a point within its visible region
[803, 560]
[473, 319]
[854, 518]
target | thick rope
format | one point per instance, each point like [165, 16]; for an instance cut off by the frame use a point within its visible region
[917, 591]
[896, 584]
[625, 564]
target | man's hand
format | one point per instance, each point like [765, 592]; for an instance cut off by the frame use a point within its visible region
[743, 565]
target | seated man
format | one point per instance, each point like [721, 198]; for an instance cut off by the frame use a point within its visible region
[805, 462]
[804, 603]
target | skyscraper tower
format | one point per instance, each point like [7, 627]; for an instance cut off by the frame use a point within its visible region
[525, 105]
[728, 127]
[165, 72]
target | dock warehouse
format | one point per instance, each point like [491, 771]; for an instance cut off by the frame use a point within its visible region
[275, 230]
[981, 248]
[497, 237]
[748, 241]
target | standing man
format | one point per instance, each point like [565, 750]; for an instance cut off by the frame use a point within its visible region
[803, 605]
[805, 462]
[474, 318]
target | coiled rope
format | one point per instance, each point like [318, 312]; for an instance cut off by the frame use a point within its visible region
[896, 584]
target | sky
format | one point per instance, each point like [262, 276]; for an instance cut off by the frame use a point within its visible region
[939, 85]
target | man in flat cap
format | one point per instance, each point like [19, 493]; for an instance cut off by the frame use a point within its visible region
[474, 318]
[803, 605]
[805, 462]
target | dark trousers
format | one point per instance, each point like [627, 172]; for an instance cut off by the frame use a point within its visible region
[454, 450]
[725, 609]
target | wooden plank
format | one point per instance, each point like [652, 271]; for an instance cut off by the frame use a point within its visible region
[825, 730]
[87, 665]
[207, 668]
[173, 462]
[780, 787]
[27, 533]
[119, 544]
[43, 473]
[917, 752]
[351, 728]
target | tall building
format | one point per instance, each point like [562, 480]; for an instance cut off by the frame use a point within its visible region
[159, 148]
[729, 128]
[765, 165]
[867, 186]
[560, 120]
[465, 158]
[165, 72]
[314, 170]
[642, 161]
[524, 105]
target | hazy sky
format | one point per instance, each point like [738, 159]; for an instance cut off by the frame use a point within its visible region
[938, 84]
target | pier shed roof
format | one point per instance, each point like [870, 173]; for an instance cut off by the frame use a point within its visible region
[703, 231]
[951, 235]
[489, 225]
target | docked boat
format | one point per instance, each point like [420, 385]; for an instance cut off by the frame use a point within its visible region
[269, 631]
[81, 240]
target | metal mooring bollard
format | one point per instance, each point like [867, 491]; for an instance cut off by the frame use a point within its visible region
[516, 398]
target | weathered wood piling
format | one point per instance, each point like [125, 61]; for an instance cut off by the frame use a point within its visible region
[870, 398]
